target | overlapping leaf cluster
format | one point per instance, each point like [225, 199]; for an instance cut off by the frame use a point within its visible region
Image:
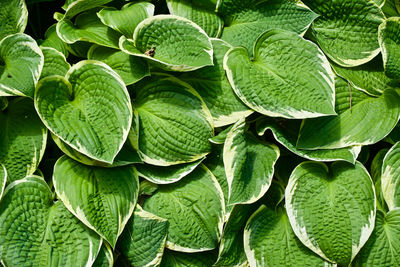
[207, 133]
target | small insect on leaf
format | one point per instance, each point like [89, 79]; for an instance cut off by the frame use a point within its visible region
[150, 52]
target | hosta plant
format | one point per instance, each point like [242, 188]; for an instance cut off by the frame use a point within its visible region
[200, 133]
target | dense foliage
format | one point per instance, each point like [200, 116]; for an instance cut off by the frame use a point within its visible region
[200, 133]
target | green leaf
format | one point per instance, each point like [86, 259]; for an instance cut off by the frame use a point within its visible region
[390, 177]
[179, 259]
[21, 62]
[288, 77]
[102, 198]
[74, 7]
[213, 86]
[87, 27]
[183, 122]
[51, 39]
[105, 257]
[380, 3]
[270, 241]
[170, 42]
[246, 20]
[332, 211]
[13, 17]
[3, 179]
[79, 49]
[131, 69]
[126, 19]
[143, 240]
[383, 247]
[55, 63]
[361, 120]
[23, 139]
[200, 12]
[389, 9]
[41, 232]
[389, 40]
[89, 109]
[219, 139]
[194, 208]
[344, 23]
[286, 132]
[249, 165]
[369, 77]
[166, 174]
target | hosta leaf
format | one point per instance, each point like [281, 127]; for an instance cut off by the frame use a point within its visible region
[342, 24]
[376, 175]
[179, 259]
[369, 77]
[87, 27]
[288, 77]
[21, 62]
[231, 249]
[79, 48]
[89, 109]
[74, 7]
[36, 231]
[102, 198]
[171, 43]
[390, 178]
[166, 174]
[126, 19]
[332, 211]
[389, 8]
[126, 156]
[105, 257]
[383, 247]
[13, 17]
[55, 63]
[22, 139]
[194, 208]
[3, 179]
[143, 240]
[389, 40]
[200, 12]
[270, 241]
[131, 69]
[213, 86]
[286, 132]
[246, 20]
[249, 165]
[219, 139]
[361, 120]
[380, 3]
[53, 40]
[174, 123]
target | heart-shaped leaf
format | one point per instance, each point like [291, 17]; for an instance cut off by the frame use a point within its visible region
[383, 247]
[41, 232]
[126, 19]
[194, 208]
[389, 40]
[270, 241]
[23, 139]
[246, 20]
[102, 198]
[13, 17]
[332, 211]
[89, 109]
[74, 7]
[249, 165]
[391, 177]
[342, 24]
[361, 120]
[55, 63]
[288, 77]
[286, 133]
[213, 86]
[200, 12]
[21, 62]
[171, 43]
[87, 27]
[172, 111]
[131, 69]
[3, 179]
[143, 240]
